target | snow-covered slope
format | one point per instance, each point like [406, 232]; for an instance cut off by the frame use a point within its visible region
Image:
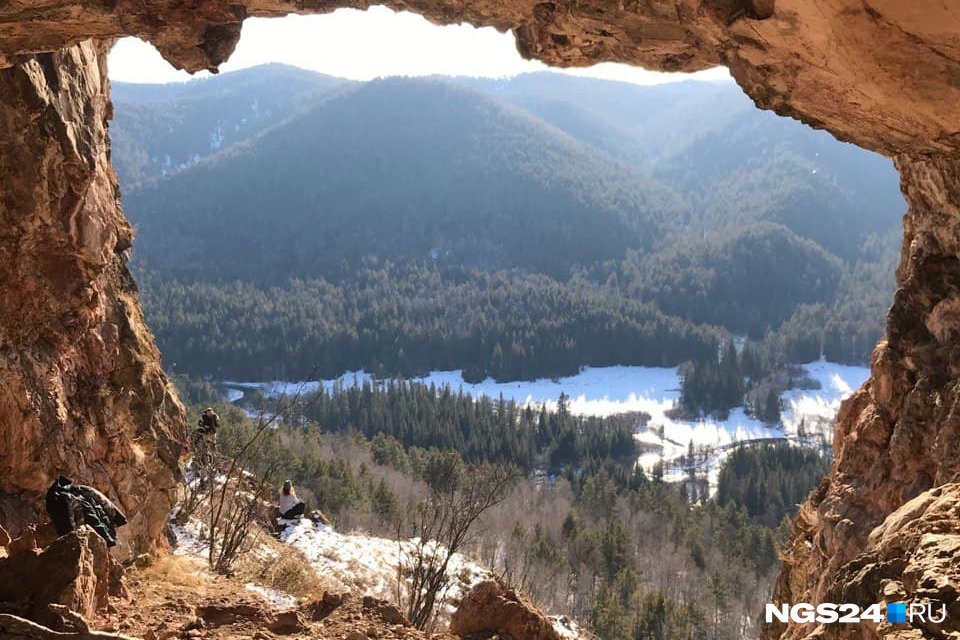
[356, 563]
[371, 565]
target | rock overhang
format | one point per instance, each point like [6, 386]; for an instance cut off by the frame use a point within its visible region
[883, 74]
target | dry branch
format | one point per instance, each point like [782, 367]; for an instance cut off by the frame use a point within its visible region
[16, 628]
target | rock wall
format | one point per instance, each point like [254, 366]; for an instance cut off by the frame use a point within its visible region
[898, 436]
[81, 389]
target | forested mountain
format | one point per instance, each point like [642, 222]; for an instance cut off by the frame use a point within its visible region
[402, 170]
[749, 281]
[514, 228]
[734, 163]
[159, 129]
[411, 321]
[651, 122]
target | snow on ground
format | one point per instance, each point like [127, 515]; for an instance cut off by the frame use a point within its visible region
[598, 391]
[190, 542]
[593, 391]
[807, 419]
[189, 539]
[602, 391]
[232, 395]
[278, 599]
[354, 562]
[817, 409]
[567, 628]
[369, 565]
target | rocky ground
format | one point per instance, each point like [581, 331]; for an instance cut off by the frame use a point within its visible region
[72, 588]
[177, 597]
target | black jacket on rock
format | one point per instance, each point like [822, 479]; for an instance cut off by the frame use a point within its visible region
[73, 505]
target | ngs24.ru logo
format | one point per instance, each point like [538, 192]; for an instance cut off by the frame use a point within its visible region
[828, 612]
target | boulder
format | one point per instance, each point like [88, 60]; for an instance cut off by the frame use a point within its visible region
[32, 537]
[324, 606]
[287, 622]
[491, 608]
[387, 612]
[76, 571]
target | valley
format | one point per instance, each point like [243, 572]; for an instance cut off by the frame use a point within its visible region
[493, 227]
[638, 299]
[649, 393]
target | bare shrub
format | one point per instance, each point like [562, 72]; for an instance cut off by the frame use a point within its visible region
[439, 526]
[240, 482]
[287, 570]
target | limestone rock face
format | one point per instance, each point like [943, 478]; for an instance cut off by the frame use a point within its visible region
[82, 392]
[898, 436]
[912, 558]
[489, 609]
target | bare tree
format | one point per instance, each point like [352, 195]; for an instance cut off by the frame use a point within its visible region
[439, 526]
[240, 483]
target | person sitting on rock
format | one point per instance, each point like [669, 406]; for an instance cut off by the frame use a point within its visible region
[290, 506]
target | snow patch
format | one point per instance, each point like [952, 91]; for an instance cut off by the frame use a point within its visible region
[567, 628]
[277, 599]
[807, 419]
[370, 565]
[232, 395]
[595, 391]
[190, 539]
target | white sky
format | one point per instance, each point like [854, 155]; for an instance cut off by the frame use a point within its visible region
[367, 44]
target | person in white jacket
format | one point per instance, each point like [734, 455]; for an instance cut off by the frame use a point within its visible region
[290, 506]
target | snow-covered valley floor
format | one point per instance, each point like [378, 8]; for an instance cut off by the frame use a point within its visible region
[807, 417]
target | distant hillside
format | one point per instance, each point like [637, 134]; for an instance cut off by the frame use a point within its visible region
[650, 122]
[402, 170]
[734, 163]
[766, 168]
[514, 228]
[160, 129]
[749, 281]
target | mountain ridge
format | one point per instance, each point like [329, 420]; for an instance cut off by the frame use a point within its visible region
[427, 180]
[349, 156]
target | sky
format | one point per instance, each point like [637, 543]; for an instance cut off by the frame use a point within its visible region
[362, 45]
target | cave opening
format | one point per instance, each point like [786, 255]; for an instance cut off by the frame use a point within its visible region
[241, 182]
[82, 373]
